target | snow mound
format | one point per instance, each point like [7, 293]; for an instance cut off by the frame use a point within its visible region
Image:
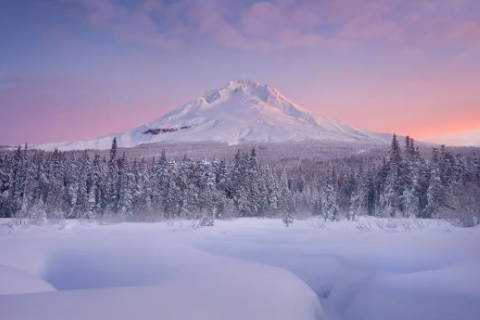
[241, 111]
[202, 299]
[16, 281]
[141, 277]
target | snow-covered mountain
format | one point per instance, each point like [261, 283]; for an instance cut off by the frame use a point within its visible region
[241, 111]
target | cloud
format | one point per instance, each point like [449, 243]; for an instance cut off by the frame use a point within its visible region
[380, 25]
[370, 27]
[454, 33]
[129, 25]
[469, 138]
[260, 26]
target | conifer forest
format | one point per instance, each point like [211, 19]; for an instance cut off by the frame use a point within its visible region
[38, 185]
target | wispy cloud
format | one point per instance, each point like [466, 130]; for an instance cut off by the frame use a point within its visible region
[276, 24]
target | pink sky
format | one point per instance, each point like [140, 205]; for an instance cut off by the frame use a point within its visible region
[77, 69]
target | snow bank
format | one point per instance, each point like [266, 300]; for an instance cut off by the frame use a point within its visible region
[122, 275]
[15, 281]
[445, 294]
[241, 298]
[246, 269]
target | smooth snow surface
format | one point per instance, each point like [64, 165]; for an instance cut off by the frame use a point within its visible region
[15, 281]
[247, 269]
[241, 111]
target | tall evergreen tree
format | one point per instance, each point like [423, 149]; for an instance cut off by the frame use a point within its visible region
[391, 204]
[329, 199]
[436, 191]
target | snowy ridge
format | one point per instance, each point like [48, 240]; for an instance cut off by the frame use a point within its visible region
[243, 110]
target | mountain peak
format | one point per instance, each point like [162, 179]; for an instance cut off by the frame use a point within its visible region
[242, 88]
[242, 110]
[242, 82]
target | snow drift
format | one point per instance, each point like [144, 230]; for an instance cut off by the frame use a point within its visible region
[133, 276]
[16, 281]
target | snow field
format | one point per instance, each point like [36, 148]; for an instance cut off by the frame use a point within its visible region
[246, 269]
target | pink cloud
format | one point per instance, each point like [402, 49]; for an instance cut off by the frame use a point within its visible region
[277, 24]
[454, 32]
[261, 19]
[368, 26]
[130, 25]
[229, 36]
[282, 27]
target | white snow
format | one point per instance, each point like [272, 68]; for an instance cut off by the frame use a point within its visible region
[241, 111]
[15, 281]
[247, 269]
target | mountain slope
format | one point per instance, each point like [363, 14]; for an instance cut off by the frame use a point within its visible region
[241, 111]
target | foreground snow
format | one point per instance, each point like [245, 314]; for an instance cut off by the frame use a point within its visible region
[243, 269]
[16, 281]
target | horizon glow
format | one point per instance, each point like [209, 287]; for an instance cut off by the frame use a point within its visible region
[78, 69]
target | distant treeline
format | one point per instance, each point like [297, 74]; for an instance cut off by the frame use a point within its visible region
[403, 184]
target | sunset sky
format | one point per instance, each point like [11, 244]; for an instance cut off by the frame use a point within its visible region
[77, 69]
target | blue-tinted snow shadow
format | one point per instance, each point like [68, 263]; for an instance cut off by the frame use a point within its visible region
[93, 266]
[354, 287]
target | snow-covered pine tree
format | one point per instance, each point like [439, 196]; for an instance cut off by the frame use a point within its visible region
[6, 175]
[136, 187]
[393, 182]
[221, 175]
[409, 202]
[284, 194]
[170, 200]
[476, 168]
[436, 191]
[183, 185]
[272, 189]
[42, 186]
[17, 187]
[460, 172]
[81, 207]
[316, 202]
[358, 195]
[96, 195]
[127, 186]
[208, 196]
[161, 183]
[329, 199]
[143, 201]
[258, 190]
[55, 205]
[112, 185]
[371, 191]
[71, 180]
[30, 186]
[37, 210]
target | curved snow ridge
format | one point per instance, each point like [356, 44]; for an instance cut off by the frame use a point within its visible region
[131, 277]
[16, 281]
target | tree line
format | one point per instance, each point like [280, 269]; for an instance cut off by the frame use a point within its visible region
[404, 184]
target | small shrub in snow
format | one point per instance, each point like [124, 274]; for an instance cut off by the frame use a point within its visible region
[466, 211]
[319, 224]
[288, 219]
[206, 221]
[364, 226]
